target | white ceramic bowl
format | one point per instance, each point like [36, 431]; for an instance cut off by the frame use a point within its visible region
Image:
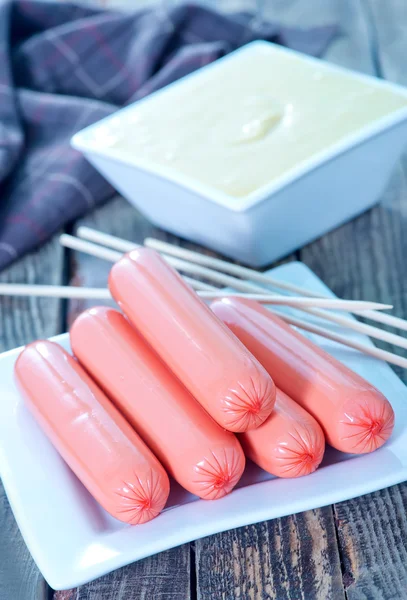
[327, 189]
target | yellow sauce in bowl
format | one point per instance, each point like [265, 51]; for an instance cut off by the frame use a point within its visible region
[252, 119]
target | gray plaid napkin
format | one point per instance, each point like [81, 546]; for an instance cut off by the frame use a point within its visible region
[64, 66]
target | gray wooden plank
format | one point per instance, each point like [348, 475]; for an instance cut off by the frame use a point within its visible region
[26, 319]
[283, 559]
[20, 578]
[372, 533]
[23, 320]
[166, 575]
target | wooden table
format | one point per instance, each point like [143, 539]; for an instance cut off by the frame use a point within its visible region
[356, 549]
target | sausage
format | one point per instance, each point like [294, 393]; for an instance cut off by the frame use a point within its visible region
[204, 458]
[100, 447]
[218, 371]
[354, 415]
[290, 442]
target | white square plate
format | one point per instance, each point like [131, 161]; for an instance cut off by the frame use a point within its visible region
[50, 504]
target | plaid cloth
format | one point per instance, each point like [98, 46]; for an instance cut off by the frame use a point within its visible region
[64, 66]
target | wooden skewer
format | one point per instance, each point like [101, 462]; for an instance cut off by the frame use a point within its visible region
[230, 268]
[54, 291]
[104, 294]
[199, 285]
[370, 350]
[293, 301]
[253, 275]
[69, 241]
[244, 286]
[260, 295]
[106, 239]
[206, 291]
[61, 291]
[226, 280]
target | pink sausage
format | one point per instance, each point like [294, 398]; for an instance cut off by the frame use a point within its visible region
[100, 447]
[204, 458]
[290, 443]
[218, 371]
[354, 415]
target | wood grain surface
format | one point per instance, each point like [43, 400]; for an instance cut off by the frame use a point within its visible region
[354, 550]
[292, 557]
[165, 576]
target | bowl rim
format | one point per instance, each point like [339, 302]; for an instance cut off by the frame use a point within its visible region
[82, 139]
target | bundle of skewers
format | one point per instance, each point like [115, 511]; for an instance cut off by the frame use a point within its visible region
[244, 283]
